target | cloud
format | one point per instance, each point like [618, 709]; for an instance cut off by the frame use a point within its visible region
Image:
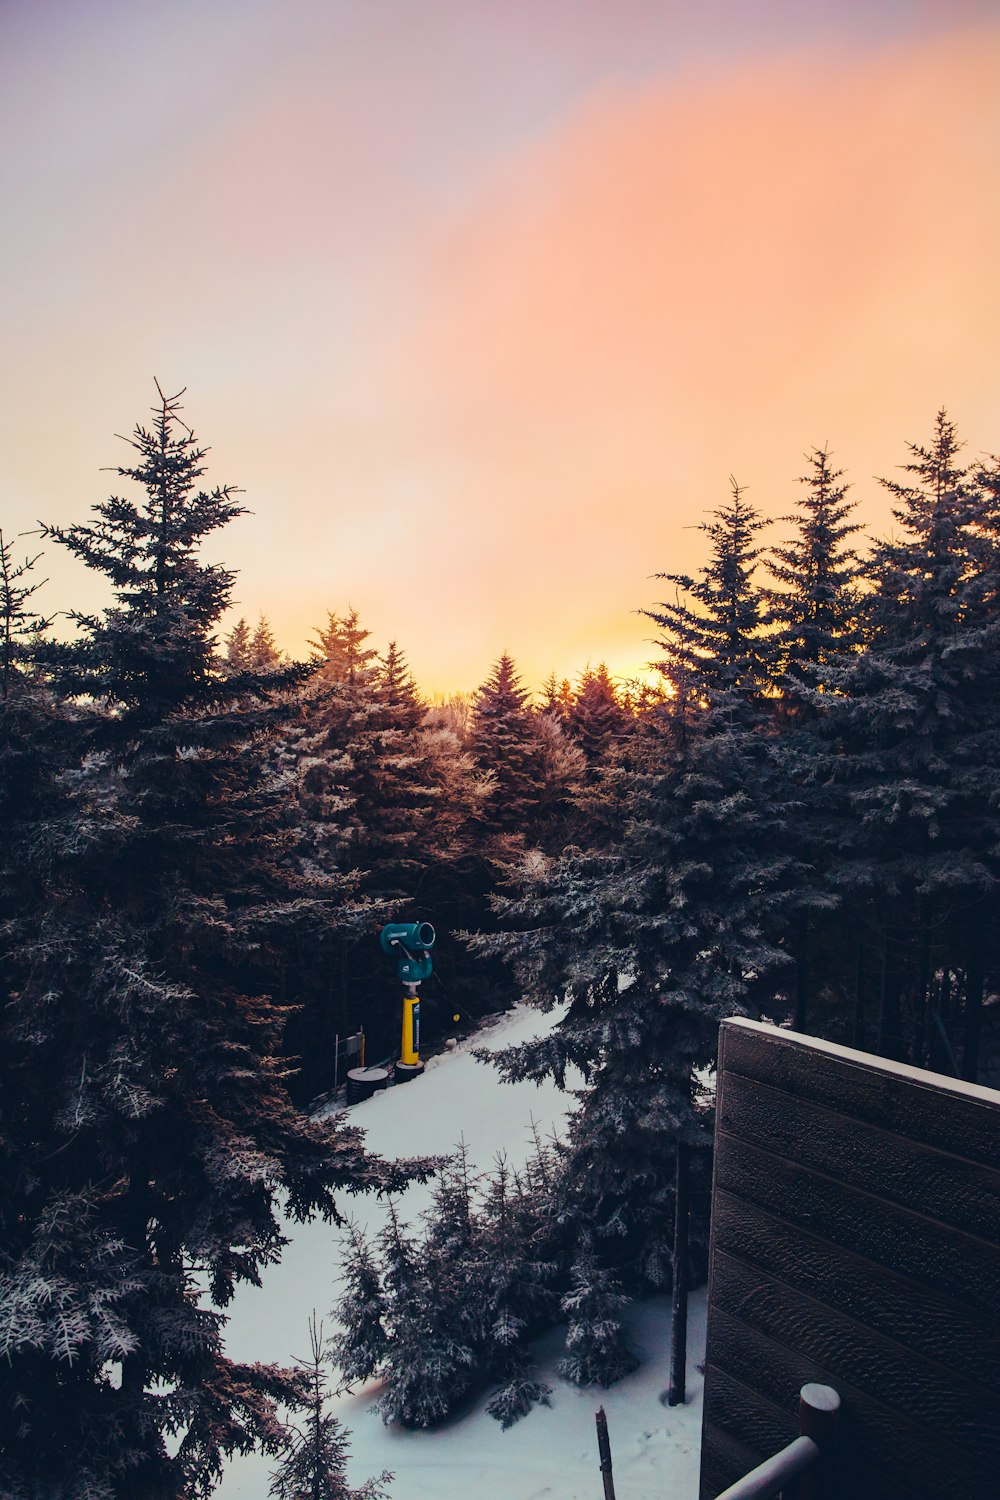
[690, 279]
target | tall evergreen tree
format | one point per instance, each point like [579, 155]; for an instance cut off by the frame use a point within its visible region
[148, 1128]
[20, 624]
[596, 718]
[263, 652]
[238, 647]
[673, 923]
[913, 759]
[532, 775]
[817, 613]
[716, 643]
[816, 607]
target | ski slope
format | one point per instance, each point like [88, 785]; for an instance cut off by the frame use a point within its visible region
[553, 1450]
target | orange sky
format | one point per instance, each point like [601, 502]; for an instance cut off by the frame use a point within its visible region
[482, 305]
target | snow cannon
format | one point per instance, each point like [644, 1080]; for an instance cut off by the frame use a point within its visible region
[410, 944]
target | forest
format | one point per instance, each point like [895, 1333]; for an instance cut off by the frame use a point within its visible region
[798, 819]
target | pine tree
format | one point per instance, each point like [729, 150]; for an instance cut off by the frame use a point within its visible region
[597, 1352]
[518, 1251]
[817, 612]
[912, 764]
[557, 697]
[432, 1353]
[361, 1342]
[20, 625]
[149, 1128]
[718, 643]
[533, 768]
[238, 647]
[339, 649]
[263, 653]
[314, 1463]
[595, 718]
[673, 920]
[817, 605]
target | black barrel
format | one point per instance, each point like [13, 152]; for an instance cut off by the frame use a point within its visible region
[363, 1082]
[403, 1072]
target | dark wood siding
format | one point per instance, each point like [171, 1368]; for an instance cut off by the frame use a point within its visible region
[856, 1242]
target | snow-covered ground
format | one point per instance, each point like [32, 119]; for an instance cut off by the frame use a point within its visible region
[553, 1450]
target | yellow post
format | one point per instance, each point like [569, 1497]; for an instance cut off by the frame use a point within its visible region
[409, 1052]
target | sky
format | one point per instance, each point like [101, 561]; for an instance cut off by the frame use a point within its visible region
[481, 302]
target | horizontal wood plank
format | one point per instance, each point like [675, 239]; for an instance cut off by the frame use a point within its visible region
[950, 1413]
[930, 1323]
[723, 1461]
[966, 1267]
[951, 1189]
[867, 1089]
[748, 1416]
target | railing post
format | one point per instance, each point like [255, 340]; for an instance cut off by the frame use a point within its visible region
[819, 1419]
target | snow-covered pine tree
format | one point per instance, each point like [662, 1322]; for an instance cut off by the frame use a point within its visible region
[502, 741]
[597, 1352]
[534, 768]
[145, 1100]
[314, 1462]
[717, 641]
[432, 1353]
[557, 697]
[263, 653]
[518, 1252]
[360, 1342]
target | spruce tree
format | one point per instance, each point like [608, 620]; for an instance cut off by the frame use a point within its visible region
[912, 757]
[361, 1341]
[148, 1125]
[716, 642]
[817, 605]
[533, 766]
[314, 1463]
[432, 1352]
[597, 1352]
[595, 718]
[673, 920]
[817, 613]
[238, 647]
[262, 651]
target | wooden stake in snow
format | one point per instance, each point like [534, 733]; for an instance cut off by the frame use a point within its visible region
[604, 1449]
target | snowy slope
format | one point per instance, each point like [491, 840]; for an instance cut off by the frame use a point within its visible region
[552, 1451]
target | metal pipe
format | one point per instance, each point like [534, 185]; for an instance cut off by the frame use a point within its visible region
[770, 1477]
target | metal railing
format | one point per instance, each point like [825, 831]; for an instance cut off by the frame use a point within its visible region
[804, 1470]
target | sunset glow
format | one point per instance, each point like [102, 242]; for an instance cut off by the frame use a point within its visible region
[482, 304]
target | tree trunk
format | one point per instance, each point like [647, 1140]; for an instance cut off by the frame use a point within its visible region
[801, 970]
[975, 975]
[678, 1325]
[890, 1038]
[859, 997]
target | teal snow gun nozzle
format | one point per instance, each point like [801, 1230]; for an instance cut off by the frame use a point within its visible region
[410, 944]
